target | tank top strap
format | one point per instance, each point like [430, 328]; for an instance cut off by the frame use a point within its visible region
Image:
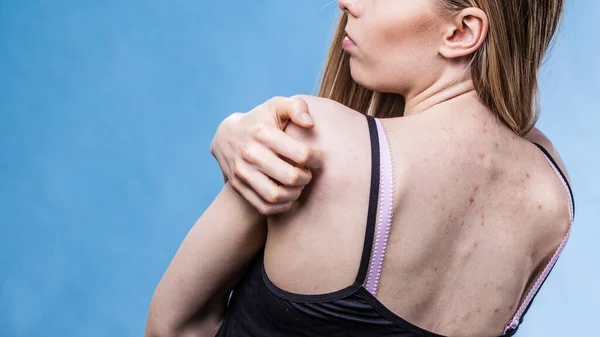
[518, 318]
[373, 200]
[385, 206]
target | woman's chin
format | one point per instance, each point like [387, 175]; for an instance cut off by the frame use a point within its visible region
[365, 82]
[364, 77]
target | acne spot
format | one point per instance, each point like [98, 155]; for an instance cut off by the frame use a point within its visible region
[481, 155]
[479, 310]
[427, 283]
[497, 310]
[467, 316]
[496, 144]
[475, 245]
[539, 206]
[476, 188]
[527, 175]
[484, 130]
[435, 196]
[512, 307]
[435, 269]
[471, 200]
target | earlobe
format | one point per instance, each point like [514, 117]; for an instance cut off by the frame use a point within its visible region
[466, 33]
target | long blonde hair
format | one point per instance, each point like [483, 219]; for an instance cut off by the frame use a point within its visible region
[504, 69]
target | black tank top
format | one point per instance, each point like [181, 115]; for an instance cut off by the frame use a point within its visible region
[258, 308]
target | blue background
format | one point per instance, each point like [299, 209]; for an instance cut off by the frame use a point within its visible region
[107, 109]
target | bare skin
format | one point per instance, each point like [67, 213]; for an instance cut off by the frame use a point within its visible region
[494, 209]
[478, 210]
[474, 223]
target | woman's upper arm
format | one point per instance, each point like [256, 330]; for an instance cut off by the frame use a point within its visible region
[207, 264]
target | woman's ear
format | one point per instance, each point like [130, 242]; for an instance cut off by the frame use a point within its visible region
[466, 32]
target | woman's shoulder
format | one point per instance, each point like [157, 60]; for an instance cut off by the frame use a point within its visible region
[327, 109]
[334, 123]
[538, 137]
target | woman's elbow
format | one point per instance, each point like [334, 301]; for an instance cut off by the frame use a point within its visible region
[155, 327]
[159, 325]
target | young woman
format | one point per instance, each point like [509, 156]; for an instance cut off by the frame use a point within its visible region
[445, 221]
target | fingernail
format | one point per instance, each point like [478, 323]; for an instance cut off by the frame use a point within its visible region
[307, 119]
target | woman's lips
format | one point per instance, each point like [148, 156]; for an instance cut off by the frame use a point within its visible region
[348, 43]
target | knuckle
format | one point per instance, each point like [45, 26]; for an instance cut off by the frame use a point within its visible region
[274, 196]
[247, 153]
[299, 104]
[291, 177]
[303, 154]
[260, 132]
[235, 184]
[263, 209]
[237, 169]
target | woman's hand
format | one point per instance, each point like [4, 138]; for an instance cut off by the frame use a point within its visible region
[255, 154]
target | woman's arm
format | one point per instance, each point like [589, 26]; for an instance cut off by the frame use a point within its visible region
[192, 294]
[266, 166]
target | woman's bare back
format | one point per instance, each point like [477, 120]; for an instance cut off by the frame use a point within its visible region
[478, 213]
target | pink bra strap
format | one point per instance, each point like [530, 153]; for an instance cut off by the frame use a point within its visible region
[514, 323]
[385, 212]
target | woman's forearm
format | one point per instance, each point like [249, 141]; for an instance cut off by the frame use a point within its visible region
[193, 291]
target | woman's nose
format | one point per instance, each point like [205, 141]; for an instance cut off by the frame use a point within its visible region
[351, 7]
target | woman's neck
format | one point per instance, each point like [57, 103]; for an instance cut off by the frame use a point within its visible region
[453, 92]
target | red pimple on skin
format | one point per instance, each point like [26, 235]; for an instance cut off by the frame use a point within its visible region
[527, 174]
[471, 200]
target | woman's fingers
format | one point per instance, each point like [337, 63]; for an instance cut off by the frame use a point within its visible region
[268, 154]
[274, 167]
[256, 201]
[266, 188]
[288, 147]
[292, 108]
